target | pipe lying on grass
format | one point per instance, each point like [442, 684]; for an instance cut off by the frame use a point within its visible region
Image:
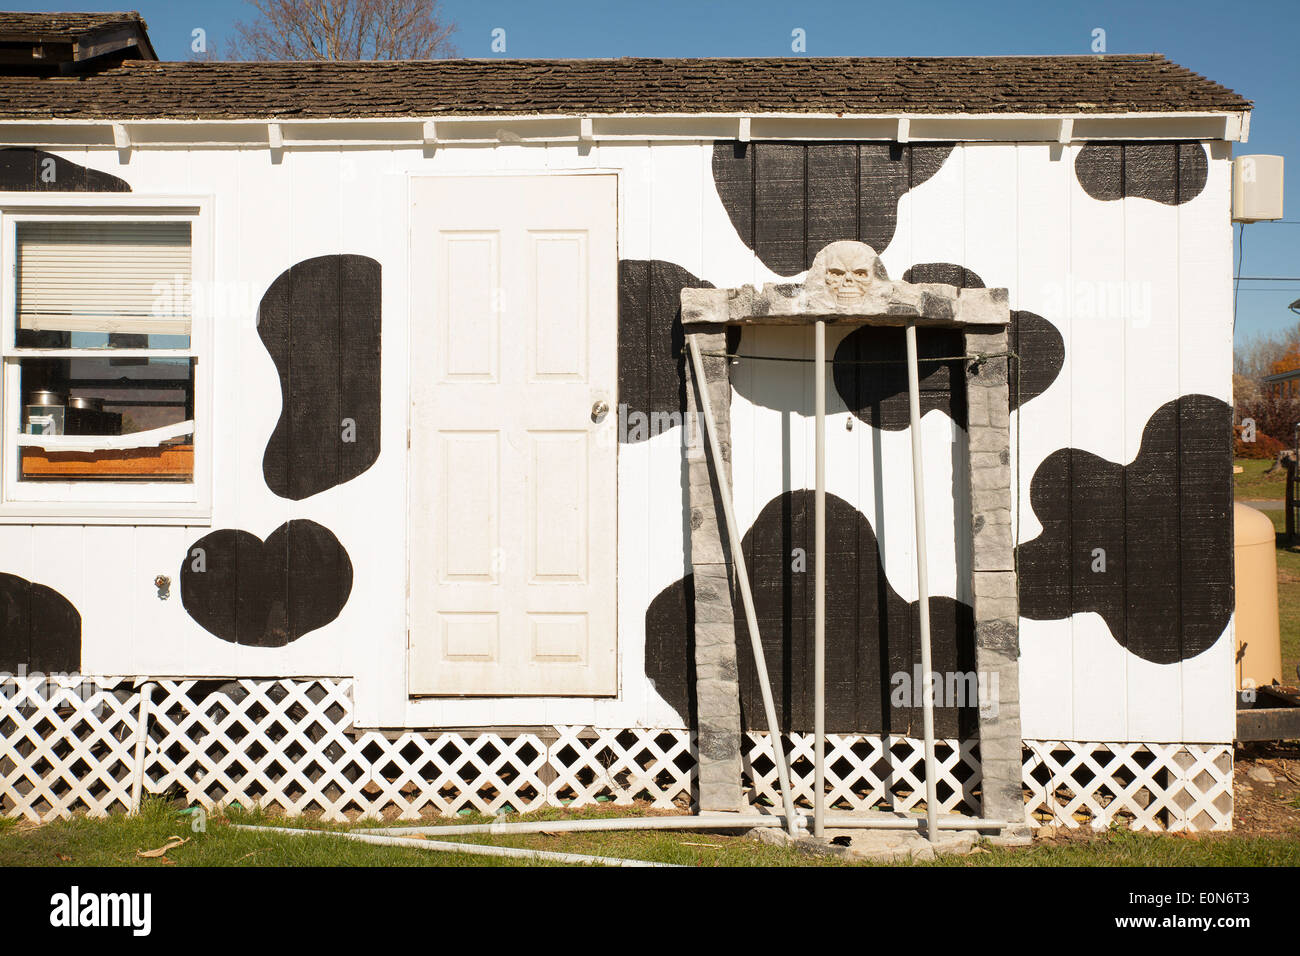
[706, 822]
[910, 823]
[476, 849]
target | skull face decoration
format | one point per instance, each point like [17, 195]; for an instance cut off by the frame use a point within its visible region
[847, 269]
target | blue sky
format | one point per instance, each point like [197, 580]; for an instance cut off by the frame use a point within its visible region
[1248, 46]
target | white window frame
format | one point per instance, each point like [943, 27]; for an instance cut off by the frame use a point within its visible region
[106, 502]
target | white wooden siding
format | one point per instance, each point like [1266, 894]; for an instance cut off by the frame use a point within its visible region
[1012, 213]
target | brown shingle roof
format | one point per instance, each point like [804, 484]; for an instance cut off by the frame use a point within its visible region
[1025, 84]
[59, 26]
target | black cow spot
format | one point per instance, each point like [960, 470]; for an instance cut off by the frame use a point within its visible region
[266, 594]
[1040, 355]
[788, 200]
[1036, 342]
[320, 322]
[870, 374]
[870, 370]
[40, 630]
[34, 170]
[948, 273]
[871, 632]
[1169, 173]
[1147, 546]
[651, 363]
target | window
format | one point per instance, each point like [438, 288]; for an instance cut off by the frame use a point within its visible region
[104, 412]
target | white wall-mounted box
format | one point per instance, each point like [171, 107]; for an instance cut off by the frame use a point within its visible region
[1256, 188]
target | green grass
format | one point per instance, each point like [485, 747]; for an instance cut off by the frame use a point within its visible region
[115, 841]
[1125, 848]
[1252, 483]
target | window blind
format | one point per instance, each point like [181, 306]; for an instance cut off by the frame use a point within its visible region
[104, 276]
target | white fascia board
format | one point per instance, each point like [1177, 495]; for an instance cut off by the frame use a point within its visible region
[614, 127]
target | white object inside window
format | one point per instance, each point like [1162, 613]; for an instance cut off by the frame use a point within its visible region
[102, 410]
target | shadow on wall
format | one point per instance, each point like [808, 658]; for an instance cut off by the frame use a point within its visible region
[869, 370]
[871, 631]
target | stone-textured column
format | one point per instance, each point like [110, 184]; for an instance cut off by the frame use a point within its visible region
[993, 574]
[717, 685]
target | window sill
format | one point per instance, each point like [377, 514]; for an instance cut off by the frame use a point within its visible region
[22, 513]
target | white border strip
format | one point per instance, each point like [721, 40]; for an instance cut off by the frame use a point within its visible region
[491, 129]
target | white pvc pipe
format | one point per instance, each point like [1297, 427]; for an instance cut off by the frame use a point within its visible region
[141, 736]
[471, 848]
[922, 583]
[819, 588]
[702, 822]
[742, 579]
[836, 821]
[907, 823]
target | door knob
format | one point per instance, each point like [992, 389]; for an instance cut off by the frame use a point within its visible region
[599, 410]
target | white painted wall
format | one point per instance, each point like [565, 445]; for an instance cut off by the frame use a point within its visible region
[1013, 213]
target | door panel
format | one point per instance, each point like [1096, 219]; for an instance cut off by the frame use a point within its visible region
[512, 483]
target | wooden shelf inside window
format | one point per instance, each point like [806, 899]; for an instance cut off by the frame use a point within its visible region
[165, 462]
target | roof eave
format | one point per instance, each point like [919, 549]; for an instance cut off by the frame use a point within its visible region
[488, 129]
[114, 38]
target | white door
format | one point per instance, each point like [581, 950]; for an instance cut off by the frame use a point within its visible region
[513, 443]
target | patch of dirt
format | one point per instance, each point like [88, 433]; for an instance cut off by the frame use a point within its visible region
[1262, 808]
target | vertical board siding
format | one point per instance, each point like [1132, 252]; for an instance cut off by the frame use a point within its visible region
[1042, 220]
[1205, 366]
[1091, 505]
[1045, 182]
[1124, 478]
[788, 200]
[1153, 593]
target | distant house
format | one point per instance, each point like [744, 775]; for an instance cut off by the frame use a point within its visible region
[51, 44]
[386, 439]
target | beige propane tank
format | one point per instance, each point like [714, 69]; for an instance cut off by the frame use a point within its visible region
[1259, 646]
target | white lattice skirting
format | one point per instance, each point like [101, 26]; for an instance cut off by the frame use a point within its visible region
[1143, 786]
[68, 747]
